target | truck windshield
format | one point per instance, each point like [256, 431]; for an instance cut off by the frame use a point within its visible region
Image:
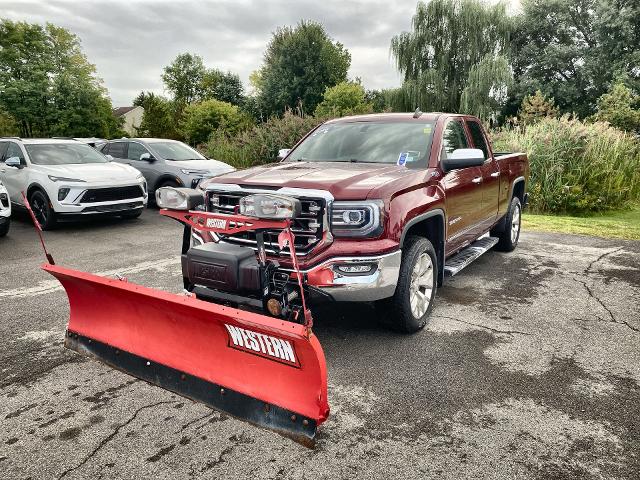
[63, 154]
[175, 151]
[399, 143]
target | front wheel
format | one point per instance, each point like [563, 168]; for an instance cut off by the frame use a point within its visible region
[42, 209]
[4, 227]
[131, 214]
[510, 234]
[409, 308]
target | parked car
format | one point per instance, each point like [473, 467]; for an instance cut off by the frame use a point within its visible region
[5, 210]
[164, 163]
[388, 204]
[66, 179]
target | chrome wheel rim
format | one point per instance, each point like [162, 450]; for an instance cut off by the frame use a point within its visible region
[515, 224]
[421, 287]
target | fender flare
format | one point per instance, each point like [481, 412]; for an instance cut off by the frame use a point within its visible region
[513, 185]
[420, 218]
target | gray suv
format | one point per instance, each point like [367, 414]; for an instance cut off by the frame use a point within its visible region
[164, 163]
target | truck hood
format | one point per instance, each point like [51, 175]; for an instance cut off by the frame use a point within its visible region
[93, 172]
[345, 181]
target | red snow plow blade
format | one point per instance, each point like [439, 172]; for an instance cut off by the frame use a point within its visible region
[266, 371]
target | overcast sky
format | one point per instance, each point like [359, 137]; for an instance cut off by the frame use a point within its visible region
[131, 41]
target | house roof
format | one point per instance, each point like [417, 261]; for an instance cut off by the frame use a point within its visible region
[119, 111]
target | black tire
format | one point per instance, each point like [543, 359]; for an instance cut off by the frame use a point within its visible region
[509, 232]
[42, 209]
[397, 311]
[4, 228]
[132, 214]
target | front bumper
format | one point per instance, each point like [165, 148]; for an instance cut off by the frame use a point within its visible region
[379, 283]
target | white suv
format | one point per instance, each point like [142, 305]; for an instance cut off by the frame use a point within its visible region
[5, 211]
[68, 179]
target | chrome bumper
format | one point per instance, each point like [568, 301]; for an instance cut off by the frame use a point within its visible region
[361, 288]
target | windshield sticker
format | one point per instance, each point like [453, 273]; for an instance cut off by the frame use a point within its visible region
[412, 156]
[402, 159]
[427, 130]
[320, 131]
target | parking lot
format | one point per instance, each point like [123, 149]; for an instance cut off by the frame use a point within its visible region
[530, 368]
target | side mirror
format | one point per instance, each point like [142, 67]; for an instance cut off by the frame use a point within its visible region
[463, 158]
[147, 157]
[109, 157]
[13, 162]
[283, 152]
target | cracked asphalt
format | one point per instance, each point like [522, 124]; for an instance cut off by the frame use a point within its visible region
[529, 368]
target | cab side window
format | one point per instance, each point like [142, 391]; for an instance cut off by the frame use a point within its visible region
[3, 149]
[135, 150]
[478, 137]
[13, 150]
[118, 149]
[453, 137]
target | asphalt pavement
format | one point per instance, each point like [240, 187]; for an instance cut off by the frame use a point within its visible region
[529, 368]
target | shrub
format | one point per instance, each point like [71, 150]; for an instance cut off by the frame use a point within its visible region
[346, 98]
[616, 108]
[260, 143]
[536, 107]
[200, 120]
[576, 167]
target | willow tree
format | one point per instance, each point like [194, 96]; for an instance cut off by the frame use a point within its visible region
[454, 59]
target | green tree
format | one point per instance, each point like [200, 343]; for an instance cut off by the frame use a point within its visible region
[299, 64]
[159, 118]
[617, 108]
[8, 125]
[48, 86]
[201, 119]
[184, 78]
[346, 98]
[573, 50]
[223, 86]
[454, 59]
[536, 107]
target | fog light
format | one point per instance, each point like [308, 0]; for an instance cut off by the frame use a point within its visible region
[355, 269]
[62, 193]
[274, 307]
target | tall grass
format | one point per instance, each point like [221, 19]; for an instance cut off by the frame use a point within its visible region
[576, 167]
[260, 144]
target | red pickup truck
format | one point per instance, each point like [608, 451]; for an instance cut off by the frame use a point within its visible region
[390, 204]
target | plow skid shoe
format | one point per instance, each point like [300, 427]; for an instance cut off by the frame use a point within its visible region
[263, 370]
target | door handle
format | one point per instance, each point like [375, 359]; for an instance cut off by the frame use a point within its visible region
[477, 180]
[495, 174]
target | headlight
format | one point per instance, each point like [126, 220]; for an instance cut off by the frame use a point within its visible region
[179, 198]
[357, 219]
[140, 177]
[274, 207]
[53, 178]
[188, 171]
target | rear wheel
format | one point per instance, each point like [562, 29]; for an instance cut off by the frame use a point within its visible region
[510, 234]
[409, 308]
[42, 209]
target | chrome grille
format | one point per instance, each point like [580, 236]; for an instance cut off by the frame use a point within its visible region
[307, 228]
